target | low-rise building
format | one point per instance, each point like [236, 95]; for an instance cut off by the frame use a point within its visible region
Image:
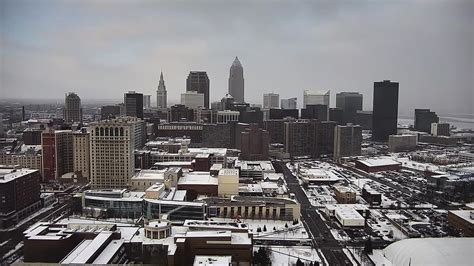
[345, 195]
[253, 170]
[348, 217]
[228, 182]
[198, 183]
[372, 196]
[377, 165]
[462, 220]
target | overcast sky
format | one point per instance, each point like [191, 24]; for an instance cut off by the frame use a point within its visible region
[101, 49]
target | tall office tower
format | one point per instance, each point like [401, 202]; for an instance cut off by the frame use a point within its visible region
[336, 115]
[57, 149]
[290, 103]
[271, 100]
[385, 110]
[440, 129]
[236, 81]
[161, 96]
[133, 104]
[81, 152]
[111, 148]
[423, 120]
[198, 81]
[347, 141]
[146, 101]
[192, 99]
[350, 103]
[72, 108]
[315, 97]
[315, 111]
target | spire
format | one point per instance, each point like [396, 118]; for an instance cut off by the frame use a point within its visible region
[236, 62]
[161, 84]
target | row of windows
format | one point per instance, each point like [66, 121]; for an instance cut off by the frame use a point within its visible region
[110, 131]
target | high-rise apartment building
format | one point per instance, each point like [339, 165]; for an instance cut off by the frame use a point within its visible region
[350, 103]
[72, 108]
[198, 81]
[57, 149]
[271, 100]
[385, 110]
[161, 94]
[300, 138]
[112, 145]
[236, 81]
[254, 143]
[193, 99]
[290, 103]
[133, 104]
[423, 120]
[347, 141]
[81, 153]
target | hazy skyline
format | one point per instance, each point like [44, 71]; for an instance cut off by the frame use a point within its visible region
[102, 49]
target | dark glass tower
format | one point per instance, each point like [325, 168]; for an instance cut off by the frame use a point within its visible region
[133, 104]
[350, 103]
[385, 110]
[199, 81]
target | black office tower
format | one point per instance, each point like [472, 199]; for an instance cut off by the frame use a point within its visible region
[385, 110]
[133, 104]
[350, 103]
[423, 120]
[199, 81]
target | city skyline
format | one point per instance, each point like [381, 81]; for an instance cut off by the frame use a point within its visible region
[424, 49]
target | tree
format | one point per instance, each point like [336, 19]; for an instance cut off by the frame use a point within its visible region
[368, 249]
[262, 257]
[274, 228]
[259, 229]
[299, 262]
[264, 228]
[286, 225]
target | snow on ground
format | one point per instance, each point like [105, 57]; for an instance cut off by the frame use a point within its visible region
[385, 227]
[348, 254]
[406, 162]
[340, 235]
[378, 258]
[280, 255]
[360, 182]
[292, 232]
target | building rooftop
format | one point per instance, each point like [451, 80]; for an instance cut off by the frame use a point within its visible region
[254, 165]
[467, 215]
[374, 162]
[10, 174]
[228, 171]
[212, 260]
[198, 178]
[347, 213]
[149, 174]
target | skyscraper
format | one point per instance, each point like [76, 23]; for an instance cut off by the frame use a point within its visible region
[350, 103]
[146, 101]
[192, 99]
[271, 100]
[385, 110]
[236, 81]
[112, 145]
[288, 103]
[347, 141]
[161, 96]
[133, 104]
[72, 108]
[316, 97]
[199, 81]
[423, 120]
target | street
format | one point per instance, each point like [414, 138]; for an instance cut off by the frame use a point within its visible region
[321, 235]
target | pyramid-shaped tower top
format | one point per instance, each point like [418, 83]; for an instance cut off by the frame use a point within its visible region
[236, 62]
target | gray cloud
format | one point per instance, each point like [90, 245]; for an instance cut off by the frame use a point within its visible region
[101, 49]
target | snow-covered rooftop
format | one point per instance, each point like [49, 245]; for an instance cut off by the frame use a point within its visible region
[374, 162]
[198, 178]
